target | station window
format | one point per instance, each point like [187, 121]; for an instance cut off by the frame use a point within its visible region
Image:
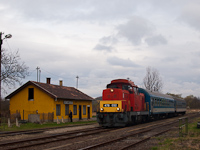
[66, 109]
[75, 110]
[58, 110]
[30, 93]
[84, 109]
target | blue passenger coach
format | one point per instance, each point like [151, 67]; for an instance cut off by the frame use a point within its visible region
[159, 104]
[180, 106]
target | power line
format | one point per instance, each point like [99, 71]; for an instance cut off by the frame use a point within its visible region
[8, 45]
[55, 74]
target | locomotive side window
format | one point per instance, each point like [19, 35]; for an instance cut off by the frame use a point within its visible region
[135, 90]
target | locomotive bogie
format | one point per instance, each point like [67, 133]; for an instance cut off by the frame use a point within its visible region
[112, 119]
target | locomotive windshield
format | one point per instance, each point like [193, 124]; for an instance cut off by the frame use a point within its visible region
[112, 86]
[121, 86]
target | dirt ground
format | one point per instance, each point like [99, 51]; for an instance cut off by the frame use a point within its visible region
[173, 141]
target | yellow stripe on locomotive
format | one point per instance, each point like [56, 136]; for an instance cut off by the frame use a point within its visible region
[111, 106]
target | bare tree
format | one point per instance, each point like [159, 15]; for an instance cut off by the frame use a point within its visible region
[13, 70]
[152, 81]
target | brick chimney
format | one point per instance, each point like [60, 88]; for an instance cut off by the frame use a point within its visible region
[61, 83]
[48, 80]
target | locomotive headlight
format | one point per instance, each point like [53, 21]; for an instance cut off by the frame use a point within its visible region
[111, 90]
[118, 109]
[101, 109]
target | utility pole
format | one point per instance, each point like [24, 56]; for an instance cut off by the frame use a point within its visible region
[77, 82]
[1, 42]
[37, 73]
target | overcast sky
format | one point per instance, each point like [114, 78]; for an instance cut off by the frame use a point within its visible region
[101, 40]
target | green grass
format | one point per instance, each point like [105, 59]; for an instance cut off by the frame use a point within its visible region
[154, 148]
[187, 142]
[30, 126]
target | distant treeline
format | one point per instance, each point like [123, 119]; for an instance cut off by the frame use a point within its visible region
[193, 102]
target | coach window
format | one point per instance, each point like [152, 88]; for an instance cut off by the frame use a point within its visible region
[152, 101]
[155, 102]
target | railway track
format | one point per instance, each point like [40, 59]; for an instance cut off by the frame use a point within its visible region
[130, 135]
[132, 139]
[35, 131]
[95, 138]
[25, 143]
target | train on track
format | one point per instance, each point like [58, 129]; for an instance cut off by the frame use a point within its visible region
[124, 103]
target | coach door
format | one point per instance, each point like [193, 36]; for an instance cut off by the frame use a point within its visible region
[152, 104]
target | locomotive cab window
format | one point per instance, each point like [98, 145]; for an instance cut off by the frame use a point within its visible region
[124, 87]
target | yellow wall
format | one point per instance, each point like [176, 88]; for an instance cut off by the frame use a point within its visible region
[43, 103]
[77, 103]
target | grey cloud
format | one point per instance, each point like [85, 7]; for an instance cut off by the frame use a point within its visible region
[136, 29]
[108, 40]
[156, 40]
[191, 15]
[101, 47]
[121, 62]
[71, 10]
[105, 43]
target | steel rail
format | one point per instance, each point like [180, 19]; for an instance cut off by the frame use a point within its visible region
[34, 131]
[143, 140]
[54, 140]
[145, 130]
[47, 136]
[121, 138]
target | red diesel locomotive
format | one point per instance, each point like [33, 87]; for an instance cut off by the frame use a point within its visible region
[121, 102]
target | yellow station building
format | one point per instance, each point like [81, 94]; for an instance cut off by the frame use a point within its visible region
[35, 97]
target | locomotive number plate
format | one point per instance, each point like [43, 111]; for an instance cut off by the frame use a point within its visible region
[110, 105]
